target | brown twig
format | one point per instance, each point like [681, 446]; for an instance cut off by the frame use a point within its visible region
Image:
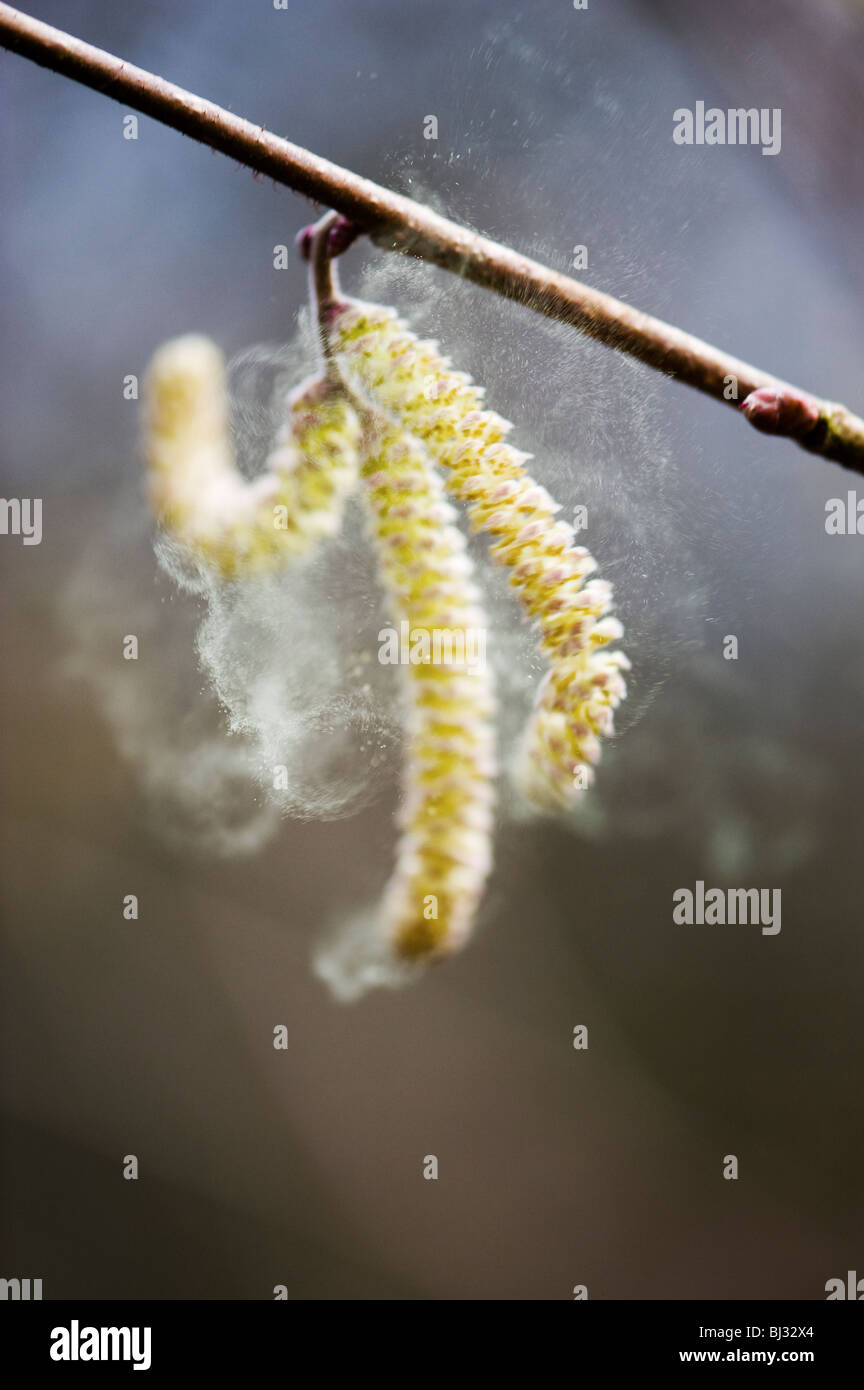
[400, 224]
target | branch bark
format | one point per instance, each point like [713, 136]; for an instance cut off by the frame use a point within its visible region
[396, 223]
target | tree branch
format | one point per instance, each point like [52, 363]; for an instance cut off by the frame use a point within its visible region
[399, 224]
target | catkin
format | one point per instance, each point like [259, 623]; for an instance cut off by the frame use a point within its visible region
[444, 852]
[388, 409]
[444, 408]
[234, 526]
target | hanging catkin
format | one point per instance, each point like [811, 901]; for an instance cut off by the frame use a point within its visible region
[222, 521]
[388, 411]
[584, 683]
[444, 852]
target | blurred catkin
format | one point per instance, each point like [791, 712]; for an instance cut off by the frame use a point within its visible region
[221, 520]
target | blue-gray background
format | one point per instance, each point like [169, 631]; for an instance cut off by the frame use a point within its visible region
[261, 1167]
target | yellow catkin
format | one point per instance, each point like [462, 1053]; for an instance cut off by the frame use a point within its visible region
[444, 852]
[443, 407]
[224, 522]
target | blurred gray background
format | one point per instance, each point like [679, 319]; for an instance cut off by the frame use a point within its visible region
[304, 1167]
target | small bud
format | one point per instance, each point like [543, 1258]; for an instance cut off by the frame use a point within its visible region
[774, 411]
[341, 235]
[339, 238]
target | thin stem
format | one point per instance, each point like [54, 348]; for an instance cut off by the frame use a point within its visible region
[319, 245]
[323, 284]
[399, 224]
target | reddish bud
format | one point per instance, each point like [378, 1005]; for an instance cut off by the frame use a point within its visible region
[774, 411]
[341, 235]
[339, 238]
